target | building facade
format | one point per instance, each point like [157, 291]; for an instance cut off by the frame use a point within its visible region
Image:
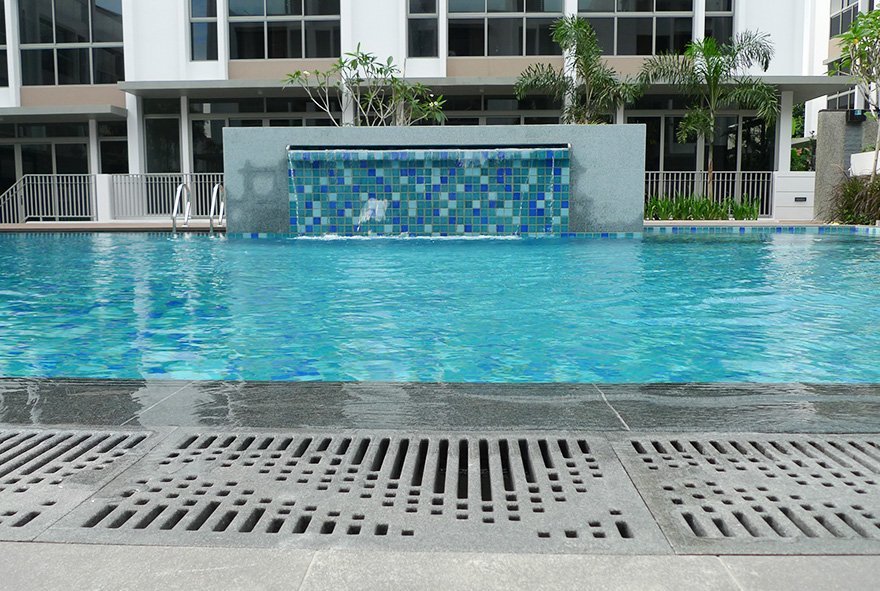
[146, 86]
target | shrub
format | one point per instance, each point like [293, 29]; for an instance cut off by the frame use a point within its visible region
[857, 201]
[697, 207]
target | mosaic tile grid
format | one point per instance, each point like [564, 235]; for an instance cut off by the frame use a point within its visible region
[431, 192]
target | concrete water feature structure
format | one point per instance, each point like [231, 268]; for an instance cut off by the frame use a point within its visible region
[605, 187]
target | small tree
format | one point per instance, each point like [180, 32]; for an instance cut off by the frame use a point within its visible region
[587, 85]
[375, 90]
[713, 75]
[860, 56]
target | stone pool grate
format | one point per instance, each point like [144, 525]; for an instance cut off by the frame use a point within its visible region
[44, 474]
[761, 494]
[462, 491]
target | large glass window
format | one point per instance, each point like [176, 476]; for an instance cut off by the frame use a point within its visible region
[501, 110]
[203, 30]
[843, 13]
[4, 64]
[71, 42]
[284, 29]
[503, 27]
[640, 27]
[719, 20]
[422, 30]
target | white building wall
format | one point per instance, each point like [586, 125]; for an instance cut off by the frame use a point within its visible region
[786, 23]
[157, 42]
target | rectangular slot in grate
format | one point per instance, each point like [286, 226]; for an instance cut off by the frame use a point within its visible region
[461, 491]
[761, 494]
[45, 473]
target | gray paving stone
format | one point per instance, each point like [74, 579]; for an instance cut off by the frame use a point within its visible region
[796, 573]
[497, 492]
[285, 405]
[41, 402]
[50, 567]
[375, 571]
[769, 408]
[737, 493]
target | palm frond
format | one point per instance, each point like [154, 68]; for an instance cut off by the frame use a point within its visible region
[751, 48]
[544, 78]
[756, 95]
[697, 122]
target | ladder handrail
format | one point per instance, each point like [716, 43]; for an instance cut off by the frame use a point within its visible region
[218, 192]
[182, 190]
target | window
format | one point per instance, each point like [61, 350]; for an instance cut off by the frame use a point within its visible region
[284, 29]
[719, 20]
[70, 42]
[4, 66]
[209, 117]
[640, 27]
[503, 27]
[203, 30]
[423, 28]
[843, 13]
[501, 110]
[114, 147]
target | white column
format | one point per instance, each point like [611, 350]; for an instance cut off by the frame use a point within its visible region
[13, 55]
[136, 144]
[186, 156]
[620, 116]
[571, 7]
[699, 19]
[783, 132]
[94, 151]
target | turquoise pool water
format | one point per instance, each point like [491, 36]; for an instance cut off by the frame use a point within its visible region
[754, 308]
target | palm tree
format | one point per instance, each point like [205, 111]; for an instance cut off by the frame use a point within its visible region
[588, 87]
[714, 76]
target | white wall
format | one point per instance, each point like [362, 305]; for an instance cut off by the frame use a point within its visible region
[157, 42]
[786, 23]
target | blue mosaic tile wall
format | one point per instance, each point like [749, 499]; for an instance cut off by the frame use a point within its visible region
[431, 192]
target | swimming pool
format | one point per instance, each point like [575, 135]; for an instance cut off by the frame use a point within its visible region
[706, 308]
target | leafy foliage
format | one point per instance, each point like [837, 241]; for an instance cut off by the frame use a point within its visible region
[860, 56]
[588, 87]
[697, 207]
[374, 89]
[857, 201]
[714, 76]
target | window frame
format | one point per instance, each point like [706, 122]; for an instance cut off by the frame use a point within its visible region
[486, 15]
[617, 15]
[422, 16]
[303, 19]
[203, 20]
[89, 45]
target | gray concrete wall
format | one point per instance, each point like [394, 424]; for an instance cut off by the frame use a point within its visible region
[607, 167]
[836, 142]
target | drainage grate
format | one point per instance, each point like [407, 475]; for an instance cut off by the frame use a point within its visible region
[761, 494]
[455, 492]
[44, 474]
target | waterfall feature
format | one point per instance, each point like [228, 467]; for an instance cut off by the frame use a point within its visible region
[430, 192]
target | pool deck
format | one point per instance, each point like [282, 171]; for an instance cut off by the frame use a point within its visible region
[820, 421]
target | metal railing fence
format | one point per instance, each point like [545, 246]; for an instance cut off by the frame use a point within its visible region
[725, 185]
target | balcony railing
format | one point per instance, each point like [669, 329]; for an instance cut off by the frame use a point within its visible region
[49, 197]
[738, 186]
[139, 196]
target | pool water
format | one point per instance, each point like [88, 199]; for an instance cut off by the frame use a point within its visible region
[754, 308]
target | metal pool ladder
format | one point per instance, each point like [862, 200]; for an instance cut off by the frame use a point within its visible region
[218, 199]
[183, 191]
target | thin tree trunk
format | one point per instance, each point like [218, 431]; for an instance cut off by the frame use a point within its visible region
[711, 168]
[877, 142]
